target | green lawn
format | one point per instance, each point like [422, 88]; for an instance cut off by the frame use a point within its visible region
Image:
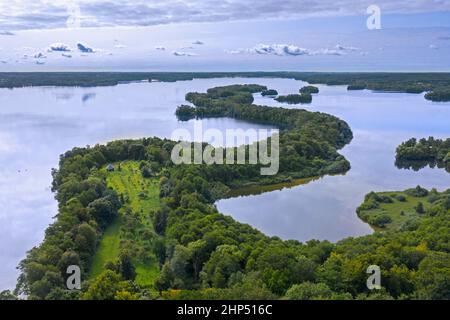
[142, 197]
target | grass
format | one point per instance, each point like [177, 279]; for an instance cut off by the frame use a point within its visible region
[108, 248]
[146, 273]
[129, 182]
[141, 196]
[399, 212]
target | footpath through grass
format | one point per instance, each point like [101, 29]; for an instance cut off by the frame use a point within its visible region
[140, 196]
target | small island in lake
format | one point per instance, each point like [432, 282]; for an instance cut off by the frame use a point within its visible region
[309, 90]
[269, 92]
[295, 98]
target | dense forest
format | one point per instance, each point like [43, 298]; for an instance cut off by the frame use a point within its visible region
[295, 98]
[437, 85]
[202, 254]
[416, 154]
[309, 90]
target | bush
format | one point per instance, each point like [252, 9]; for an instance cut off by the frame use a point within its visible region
[308, 291]
[417, 192]
[185, 112]
[381, 220]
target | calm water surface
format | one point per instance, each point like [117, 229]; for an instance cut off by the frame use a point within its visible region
[38, 124]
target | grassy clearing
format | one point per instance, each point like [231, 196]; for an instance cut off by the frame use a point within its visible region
[392, 214]
[146, 273]
[141, 196]
[108, 248]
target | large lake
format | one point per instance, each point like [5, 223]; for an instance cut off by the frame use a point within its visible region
[38, 124]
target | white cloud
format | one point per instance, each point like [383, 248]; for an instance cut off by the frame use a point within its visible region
[48, 14]
[161, 48]
[6, 33]
[65, 55]
[198, 42]
[274, 49]
[345, 48]
[293, 50]
[59, 47]
[183, 54]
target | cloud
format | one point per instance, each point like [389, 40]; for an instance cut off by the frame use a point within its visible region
[274, 49]
[183, 54]
[329, 52]
[433, 46]
[59, 47]
[119, 46]
[345, 48]
[84, 48]
[161, 48]
[444, 38]
[40, 62]
[6, 33]
[65, 55]
[293, 50]
[198, 42]
[50, 14]
[39, 55]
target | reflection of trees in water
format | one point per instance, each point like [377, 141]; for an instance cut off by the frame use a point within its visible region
[88, 96]
[417, 165]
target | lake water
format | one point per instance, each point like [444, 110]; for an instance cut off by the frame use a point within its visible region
[38, 124]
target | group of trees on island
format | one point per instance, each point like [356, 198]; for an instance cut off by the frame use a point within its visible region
[439, 94]
[305, 96]
[417, 154]
[309, 90]
[269, 92]
[206, 255]
[295, 98]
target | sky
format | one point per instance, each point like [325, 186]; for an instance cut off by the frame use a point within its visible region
[227, 35]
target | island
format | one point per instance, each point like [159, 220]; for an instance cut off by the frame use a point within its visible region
[309, 90]
[416, 154]
[295, 98]
[269, 92]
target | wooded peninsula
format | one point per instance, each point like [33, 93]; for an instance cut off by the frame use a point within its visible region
[141, 227]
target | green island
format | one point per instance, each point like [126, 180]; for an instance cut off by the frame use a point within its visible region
[269, 92]
[435, 84]
[295, 98]
[309, 90]
[141, 227]
[417, 154]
